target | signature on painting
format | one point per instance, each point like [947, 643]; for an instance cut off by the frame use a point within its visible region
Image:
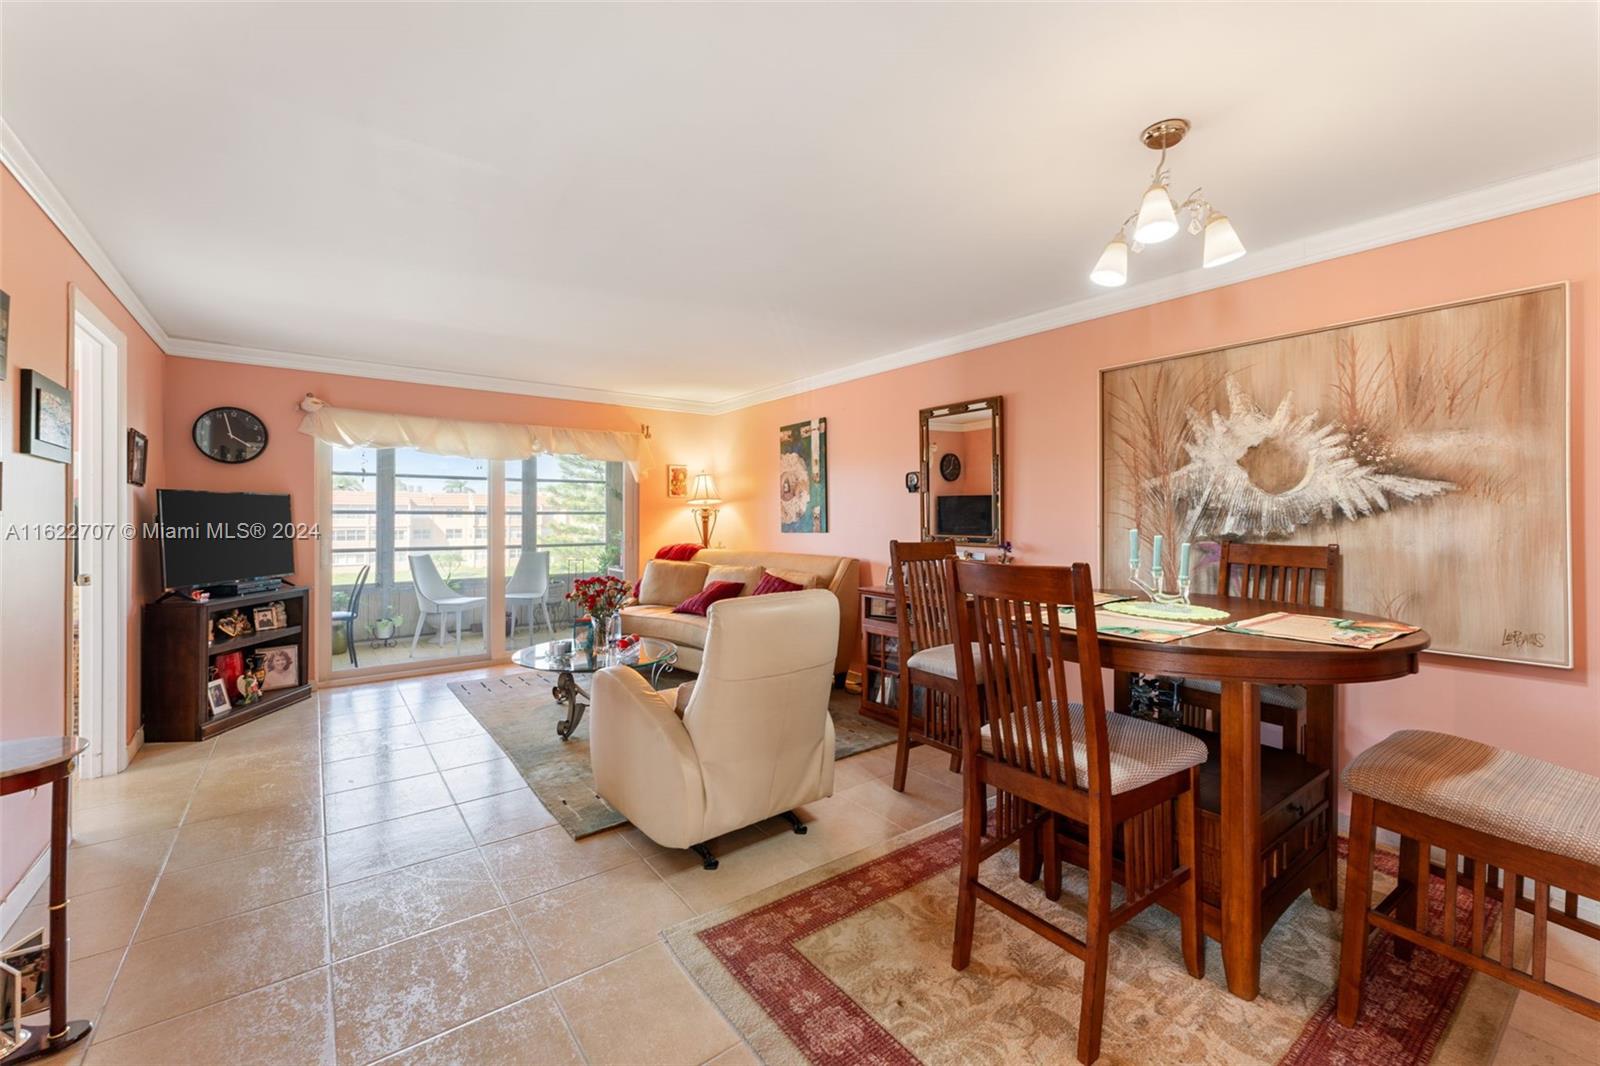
[1520, 640]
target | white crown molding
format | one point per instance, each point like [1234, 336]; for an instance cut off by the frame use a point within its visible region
[455, 379]
[17, 159]
[1558, 184]
[1531, 191]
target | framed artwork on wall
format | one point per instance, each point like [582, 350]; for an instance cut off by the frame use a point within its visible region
[803, 477]
[138, 456]
[1432, 446]
[46, 418]
[677, 482]
[5, 331]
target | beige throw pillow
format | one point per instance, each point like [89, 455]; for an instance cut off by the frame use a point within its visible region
[667, 583]
[798, 577]
[748, 576]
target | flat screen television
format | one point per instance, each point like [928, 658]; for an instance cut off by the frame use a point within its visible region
[219, 538]
[964, 516]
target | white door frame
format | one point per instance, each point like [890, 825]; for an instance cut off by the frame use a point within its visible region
[104, 555]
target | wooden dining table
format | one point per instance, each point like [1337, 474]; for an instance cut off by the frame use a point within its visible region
[1242, 663]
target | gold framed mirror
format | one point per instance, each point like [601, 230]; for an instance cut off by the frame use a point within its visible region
[961, 472]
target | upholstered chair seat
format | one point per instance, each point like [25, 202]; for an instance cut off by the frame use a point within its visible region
[1501, 793]
[939, 660]
[1141, 751]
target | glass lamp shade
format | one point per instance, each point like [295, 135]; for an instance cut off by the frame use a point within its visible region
[704, 493]
[1112, 269]
[1222, 243]
[1157, 219]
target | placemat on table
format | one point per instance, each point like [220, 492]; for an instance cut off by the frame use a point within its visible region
[1154, 630]
[1317, 629]
[1175, 612]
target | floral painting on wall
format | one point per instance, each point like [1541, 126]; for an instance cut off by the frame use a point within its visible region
[1431, 446]
[803, 477]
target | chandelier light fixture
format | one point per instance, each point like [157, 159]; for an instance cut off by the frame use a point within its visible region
[1157, 219]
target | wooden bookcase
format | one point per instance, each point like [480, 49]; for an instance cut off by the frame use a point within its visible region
[880, 672]
[178, 657]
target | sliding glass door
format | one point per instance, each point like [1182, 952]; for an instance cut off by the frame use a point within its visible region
[436, 560]
[564, 519]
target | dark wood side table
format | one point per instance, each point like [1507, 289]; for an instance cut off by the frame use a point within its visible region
[24, 765]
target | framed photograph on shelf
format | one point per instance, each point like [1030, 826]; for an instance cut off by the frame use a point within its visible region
[677, 482]
[30, 958]
[265, 617]
[217, 697]
[138, 456]
[283, 667]
[46, 418]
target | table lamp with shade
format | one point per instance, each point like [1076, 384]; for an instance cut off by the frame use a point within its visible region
[704, 504]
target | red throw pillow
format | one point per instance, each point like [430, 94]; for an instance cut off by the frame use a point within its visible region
[773, 583]
[701, 601]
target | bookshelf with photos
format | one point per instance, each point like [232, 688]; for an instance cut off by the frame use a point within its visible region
[210, 665]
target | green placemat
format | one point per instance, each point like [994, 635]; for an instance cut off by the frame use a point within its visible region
[1179, 612]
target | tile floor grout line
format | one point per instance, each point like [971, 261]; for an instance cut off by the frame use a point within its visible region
[219, 1002]
[133, 933]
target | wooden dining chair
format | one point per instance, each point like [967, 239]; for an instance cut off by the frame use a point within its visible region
[1049, 759]
[921, 572]
[1505, 822]
[1287, 575]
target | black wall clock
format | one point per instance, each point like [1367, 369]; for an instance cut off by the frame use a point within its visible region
[230, 435]
[950, 466]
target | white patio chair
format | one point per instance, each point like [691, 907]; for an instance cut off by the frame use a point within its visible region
[434, 597]
[529, 585]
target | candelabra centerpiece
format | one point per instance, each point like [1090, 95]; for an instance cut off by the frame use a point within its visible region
[1156, 587]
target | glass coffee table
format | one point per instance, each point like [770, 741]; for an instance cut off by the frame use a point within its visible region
[649, 656]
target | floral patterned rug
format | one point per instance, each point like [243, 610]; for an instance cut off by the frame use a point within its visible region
[851, 964]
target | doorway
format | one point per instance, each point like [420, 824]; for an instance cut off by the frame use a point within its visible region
[99, 567]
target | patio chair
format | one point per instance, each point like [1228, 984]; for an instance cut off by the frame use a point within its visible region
[434, 597]
[529, 585]
[347, 617]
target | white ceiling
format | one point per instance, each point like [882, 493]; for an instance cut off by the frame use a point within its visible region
[696, 203]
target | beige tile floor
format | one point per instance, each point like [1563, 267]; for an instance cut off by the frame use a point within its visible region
[359, 879]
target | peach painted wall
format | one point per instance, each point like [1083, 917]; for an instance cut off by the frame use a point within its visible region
[38, 268]
[1050, 386]
[288, 464]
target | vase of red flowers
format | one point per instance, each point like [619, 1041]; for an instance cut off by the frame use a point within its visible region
[600, 598]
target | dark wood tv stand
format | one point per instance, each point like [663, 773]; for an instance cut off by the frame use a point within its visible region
[177, 661]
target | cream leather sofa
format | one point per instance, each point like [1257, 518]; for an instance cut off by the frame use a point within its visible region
[652, 615]
[755, 738]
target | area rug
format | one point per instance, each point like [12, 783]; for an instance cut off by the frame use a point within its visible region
[850, 963]
[521, 715]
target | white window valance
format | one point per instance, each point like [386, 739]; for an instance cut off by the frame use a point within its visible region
[351, 428]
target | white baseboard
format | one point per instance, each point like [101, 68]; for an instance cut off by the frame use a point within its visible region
[17, 899]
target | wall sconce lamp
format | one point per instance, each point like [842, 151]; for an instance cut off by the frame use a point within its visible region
[704, 504]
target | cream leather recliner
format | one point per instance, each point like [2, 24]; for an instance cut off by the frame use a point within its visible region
[755, 739]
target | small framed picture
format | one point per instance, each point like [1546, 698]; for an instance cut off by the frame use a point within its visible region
[5, 331]
[677, 482]
[283, 666]
[46, 418]
[913, 481]
[30, 958]
[266, 618]
[11, 1031]
[217, 697]
[138, 456]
